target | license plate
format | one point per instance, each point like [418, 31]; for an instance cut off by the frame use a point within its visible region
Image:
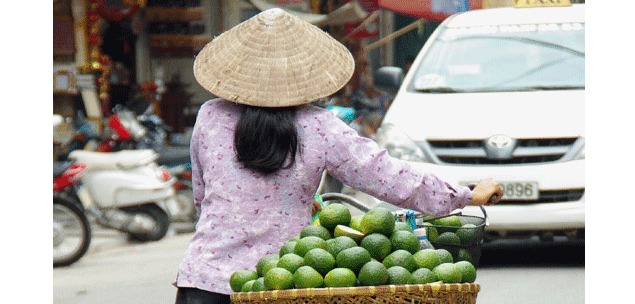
[520, 190]
[516, 191]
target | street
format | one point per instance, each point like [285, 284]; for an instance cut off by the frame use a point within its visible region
[115, 271]
[532, 272]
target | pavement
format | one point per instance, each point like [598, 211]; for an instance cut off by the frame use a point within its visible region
[115, 270]
[105, 238]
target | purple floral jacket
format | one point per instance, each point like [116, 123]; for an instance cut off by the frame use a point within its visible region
[245, 215]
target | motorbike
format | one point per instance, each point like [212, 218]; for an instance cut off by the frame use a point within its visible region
[138, 116]
[124, 131]
[71, 228]
[136, 127]
[127, 191]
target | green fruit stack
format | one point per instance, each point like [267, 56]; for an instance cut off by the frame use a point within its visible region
[368, 250]
[460, 236]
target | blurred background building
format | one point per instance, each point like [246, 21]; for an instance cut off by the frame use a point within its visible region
[109, 52]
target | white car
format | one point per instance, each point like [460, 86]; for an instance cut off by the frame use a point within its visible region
[500, 93]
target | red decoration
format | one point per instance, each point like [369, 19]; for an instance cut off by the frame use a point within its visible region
[104, 60]
[148, 86]
[116, 13]
[94, 39]
[93, 17]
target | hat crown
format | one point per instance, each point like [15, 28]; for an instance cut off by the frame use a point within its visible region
[270, 19]
[273, 59]
[270, 15]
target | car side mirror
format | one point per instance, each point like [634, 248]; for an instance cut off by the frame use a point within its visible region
[389, 78]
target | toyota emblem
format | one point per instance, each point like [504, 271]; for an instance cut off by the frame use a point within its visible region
[499, 141]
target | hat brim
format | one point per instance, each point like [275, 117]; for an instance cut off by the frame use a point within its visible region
[273, 59]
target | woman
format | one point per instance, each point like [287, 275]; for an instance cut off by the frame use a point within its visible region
[259, 150]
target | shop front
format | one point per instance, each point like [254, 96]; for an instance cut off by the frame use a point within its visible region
[110, 53]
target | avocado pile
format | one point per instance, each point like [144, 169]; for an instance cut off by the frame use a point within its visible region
[338, 250]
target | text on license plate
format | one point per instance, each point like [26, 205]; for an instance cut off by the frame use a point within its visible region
[520, 190]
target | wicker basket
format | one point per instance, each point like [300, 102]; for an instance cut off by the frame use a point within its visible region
[464, 293]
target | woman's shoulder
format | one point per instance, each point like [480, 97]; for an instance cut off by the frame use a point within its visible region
[218, 103]
[311, 111]
[318, 118]
[217, 106]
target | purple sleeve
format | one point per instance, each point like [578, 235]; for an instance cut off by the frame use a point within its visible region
[360, 163]
[198, 184]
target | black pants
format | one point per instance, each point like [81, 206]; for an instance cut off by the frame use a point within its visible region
[198, 296]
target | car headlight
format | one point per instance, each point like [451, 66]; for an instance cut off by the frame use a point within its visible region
[398, 144]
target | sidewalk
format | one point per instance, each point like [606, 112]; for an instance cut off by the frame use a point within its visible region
[117, 271]
[105, 238]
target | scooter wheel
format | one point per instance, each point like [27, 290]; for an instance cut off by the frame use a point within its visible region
[71, 232]
[160, 219]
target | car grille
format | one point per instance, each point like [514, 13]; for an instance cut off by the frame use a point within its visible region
[527, 151]
[549, 196]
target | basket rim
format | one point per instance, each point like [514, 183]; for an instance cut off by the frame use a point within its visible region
[434, 288]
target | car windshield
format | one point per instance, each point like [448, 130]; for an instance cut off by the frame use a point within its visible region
[504, 58]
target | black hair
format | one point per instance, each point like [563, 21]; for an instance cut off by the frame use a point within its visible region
[266, 137]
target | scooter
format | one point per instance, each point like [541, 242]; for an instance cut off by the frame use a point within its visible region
[175, 158]
[71, 228]
[136, 127]
[148, 131]
[126, 132]
[121, 134]
[128, 191]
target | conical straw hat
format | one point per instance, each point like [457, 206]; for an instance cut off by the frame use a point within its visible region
[274, 59]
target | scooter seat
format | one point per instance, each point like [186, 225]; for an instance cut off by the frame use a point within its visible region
[171, 156]
[114, 160]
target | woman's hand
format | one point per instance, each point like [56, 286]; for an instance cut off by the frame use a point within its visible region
[484, 190]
